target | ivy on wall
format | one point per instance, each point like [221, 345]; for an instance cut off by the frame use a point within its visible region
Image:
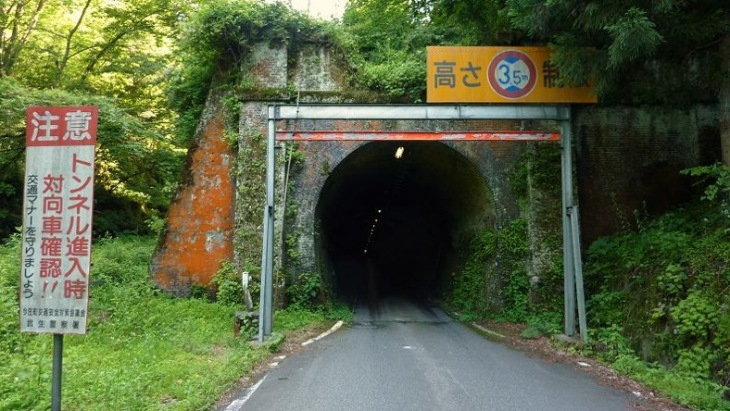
[501, 279]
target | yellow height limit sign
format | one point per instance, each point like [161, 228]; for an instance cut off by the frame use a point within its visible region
[498, 75]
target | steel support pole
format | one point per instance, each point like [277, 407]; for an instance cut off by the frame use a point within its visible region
[57, 374]
[264, 283]
[568, 259]
[267, 253]
[578, 268]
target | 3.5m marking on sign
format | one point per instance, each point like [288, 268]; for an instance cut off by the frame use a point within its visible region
[512, 74]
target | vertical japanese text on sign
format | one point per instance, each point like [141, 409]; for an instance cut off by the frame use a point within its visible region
[58, 205]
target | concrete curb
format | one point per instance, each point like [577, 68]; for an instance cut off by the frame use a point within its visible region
[324, 334]
[487, 331]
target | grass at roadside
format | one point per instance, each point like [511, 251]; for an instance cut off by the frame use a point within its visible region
[144, 350]
[696, 393]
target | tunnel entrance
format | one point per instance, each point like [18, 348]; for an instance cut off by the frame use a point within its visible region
[452, 212]
[392, 225]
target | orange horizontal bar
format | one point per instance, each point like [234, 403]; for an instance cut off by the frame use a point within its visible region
[417, 136]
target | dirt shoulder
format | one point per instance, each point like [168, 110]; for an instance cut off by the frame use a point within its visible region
[645, 399]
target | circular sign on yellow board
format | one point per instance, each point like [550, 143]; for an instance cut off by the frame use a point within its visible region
[512, 74]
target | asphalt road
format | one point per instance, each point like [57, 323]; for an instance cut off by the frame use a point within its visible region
[404, 356]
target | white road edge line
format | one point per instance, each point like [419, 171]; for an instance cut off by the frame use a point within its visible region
[324, 334]
[488, 331]
[237, 405]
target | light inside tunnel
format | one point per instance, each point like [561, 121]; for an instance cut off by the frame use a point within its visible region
[399, 152]
[393, 226]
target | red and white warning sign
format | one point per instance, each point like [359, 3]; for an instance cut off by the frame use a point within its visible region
[57, 213]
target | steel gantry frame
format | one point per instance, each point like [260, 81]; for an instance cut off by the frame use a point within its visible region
[572, 262]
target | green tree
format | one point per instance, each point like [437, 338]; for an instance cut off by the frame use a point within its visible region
[662, 52]
[90, 49]
[118, 49]
[386, 40]
[473, 23]
[18, 20]
[136, 166]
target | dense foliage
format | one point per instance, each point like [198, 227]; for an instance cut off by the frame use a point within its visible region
[136, 165]
[111, 54]
[386, 42]
[505, 277]
[640, 52]
[145, 349]
[670, 283]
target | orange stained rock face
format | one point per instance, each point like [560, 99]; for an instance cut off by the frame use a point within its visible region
[200, 219]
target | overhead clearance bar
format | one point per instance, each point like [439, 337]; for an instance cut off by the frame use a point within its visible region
[420, 112]
[572, 263]
[415, 136]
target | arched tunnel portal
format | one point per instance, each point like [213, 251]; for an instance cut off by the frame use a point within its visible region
[396, 226]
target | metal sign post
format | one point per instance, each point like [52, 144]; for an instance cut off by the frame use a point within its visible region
[57, 376]
[573, 273]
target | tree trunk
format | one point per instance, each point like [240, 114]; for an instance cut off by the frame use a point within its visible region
[11, 47]
[67, 50]
[724, 101]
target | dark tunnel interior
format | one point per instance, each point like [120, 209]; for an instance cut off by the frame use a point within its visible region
[388, 225]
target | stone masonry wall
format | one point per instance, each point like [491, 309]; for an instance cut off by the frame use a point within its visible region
[271, 68]
[200, 219]
[629, 161]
